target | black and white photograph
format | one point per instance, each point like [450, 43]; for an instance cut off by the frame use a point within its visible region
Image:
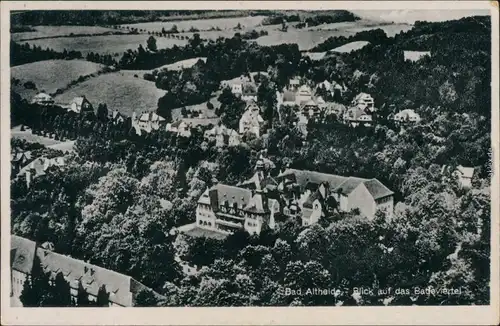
[251, 157]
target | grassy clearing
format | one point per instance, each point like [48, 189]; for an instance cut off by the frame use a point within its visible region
[183, 64]
[50, 75]
[51, 31]
[31, 138]
[202, 108]
[349, 47]
[104, 44]
[119, 90]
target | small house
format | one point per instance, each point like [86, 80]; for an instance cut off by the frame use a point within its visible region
[80, 104]
[407, 115]
[43, 99]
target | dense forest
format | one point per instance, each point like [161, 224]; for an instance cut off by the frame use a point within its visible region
[113, 17]
[120, 195]
[25, 53]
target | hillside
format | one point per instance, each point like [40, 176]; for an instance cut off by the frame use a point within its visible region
[51, 75]
[118, 90]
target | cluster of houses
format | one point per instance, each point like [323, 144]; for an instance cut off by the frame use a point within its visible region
[122, 289]
[308, 195]
[308, 104]
[78, 104]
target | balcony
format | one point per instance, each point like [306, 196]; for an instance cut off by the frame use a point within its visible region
[228, 223]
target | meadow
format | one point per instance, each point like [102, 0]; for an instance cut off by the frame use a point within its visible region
[119, 90]
[200, 24]
[349, 47]
[51, 31]
[104, 44]
[183, 64]
[50, 75]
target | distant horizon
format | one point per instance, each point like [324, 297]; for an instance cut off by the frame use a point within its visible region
[411, 16]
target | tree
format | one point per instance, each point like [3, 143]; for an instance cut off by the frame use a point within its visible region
[151, 44]
[102, 297]
[102, 112]
[82, 297]
[62, 292]
[37, 288]
[146, 298]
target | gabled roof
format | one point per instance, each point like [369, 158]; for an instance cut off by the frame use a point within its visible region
[16, 157]
[257, 205]
[22, 254]
[78, 100]
[354, 113]
[150, 116]
[348, 185]
[374, 187]
[116, 114]
[41, 164]
[377, 189]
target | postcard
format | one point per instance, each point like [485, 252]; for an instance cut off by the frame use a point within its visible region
[250, 163]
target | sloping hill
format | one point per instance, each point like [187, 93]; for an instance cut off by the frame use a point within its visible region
[118, 90]
[50, 75]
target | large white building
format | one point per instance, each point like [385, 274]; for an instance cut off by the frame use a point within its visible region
[309, 195]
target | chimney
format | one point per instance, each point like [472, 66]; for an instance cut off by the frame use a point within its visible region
[214, 199]
[85, 269]
[92, 271]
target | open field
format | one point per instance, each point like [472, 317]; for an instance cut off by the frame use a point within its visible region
[314, 55]
[119, 90]
[200, 24]
[183, 64]
[202, 108]
[104, 44]
[50, 75]
[349, 47]
[51, 31]
[31, 138]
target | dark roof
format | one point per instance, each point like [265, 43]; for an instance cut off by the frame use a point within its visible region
[377, 189]
[310, 179]
[257, 204]
[288, 96]
[232, 194]
[349, 185]
[304, 177]
[121, 287]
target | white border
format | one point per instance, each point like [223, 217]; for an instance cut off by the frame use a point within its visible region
[469, 315]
